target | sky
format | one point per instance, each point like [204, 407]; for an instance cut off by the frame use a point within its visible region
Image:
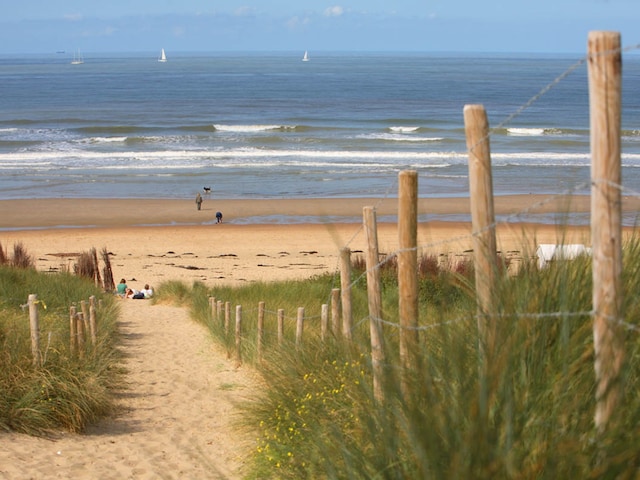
[491, 26]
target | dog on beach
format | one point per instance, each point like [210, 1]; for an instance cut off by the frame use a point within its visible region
[207, 189]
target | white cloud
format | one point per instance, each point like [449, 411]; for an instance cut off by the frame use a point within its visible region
[334, 11]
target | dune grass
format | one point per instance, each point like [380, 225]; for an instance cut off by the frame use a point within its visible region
[66, 392]
[528, 414]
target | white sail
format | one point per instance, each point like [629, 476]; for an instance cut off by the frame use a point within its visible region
[163, 57]
[305, 58]
[77, 58]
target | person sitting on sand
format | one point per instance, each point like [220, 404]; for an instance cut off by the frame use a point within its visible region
[122, 288]
[130, 293]
[147, 291]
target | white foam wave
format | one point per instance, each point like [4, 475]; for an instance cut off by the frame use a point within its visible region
[12, 129]
[525, 132]
[103, 140]
[251, 128]
[400, 129]
[398, 137]
[252, 156]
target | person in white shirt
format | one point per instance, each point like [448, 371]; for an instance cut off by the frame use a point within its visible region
[147, 291]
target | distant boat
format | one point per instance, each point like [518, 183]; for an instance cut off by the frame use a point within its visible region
[77, 58]
[305, 57]
[163, 57]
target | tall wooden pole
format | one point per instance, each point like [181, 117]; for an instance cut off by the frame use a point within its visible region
[335, 311]
[345, 284]
[34, 325]
[299, 326]
[375, 302]
[605, 71]
[408, 272]
[484, 239]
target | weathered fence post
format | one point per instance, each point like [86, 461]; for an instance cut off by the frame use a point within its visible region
[280, 326]
[605, 68]
[239, 334]
[34, 326]
[483, 238]
[213, 307]
[260, 329]
[85, 315]
[92, 319]
[345, 284]
[324, 320]
[227, 317]
[375, 301]
[335, 311]
[299, 326]
[219, 315]
[80, 332]
[73, 331]
[408, 272]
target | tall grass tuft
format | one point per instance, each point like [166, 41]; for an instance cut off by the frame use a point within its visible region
[65, 392]
[21, 258]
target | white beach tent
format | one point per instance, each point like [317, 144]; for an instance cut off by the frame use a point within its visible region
[549, 252]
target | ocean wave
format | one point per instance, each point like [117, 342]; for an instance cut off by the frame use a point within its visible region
[392, 137]
[91, 140]
[242, 157]
[252, 128]
[401, 129]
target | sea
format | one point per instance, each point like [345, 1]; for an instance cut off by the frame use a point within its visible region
[269, 125]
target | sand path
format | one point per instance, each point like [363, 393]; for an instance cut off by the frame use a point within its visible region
[176, 414]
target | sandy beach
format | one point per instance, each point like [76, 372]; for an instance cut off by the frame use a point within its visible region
[155, 240]
[176, 418]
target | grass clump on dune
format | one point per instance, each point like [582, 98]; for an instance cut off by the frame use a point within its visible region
[67, 391]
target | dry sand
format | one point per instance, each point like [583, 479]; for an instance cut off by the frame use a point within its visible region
[176, 418]
[156, 240]
[175, 421]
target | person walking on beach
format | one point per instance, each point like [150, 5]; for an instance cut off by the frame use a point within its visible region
[218, 217]
[198, 200]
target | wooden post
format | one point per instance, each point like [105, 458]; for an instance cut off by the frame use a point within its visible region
[239, 334]
[92, 319]
[213, 307]
[324, 321]
[482, 218]
[605, 69]
[85, 314]
[227, 317]
[335, 311]
[299, 326]
[280, 326]
[375, 301]
[219, 315]
[484, 240]
[80, 332]
[34, 326]
[345, 284]
[408, 272]
[73, 331]
[260, 329]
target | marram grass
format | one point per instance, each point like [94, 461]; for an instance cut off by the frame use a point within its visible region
[65, 392]
[525, 412]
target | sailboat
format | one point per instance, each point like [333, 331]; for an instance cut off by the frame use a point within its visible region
[305, 58]
[77, 58]
[163, 57]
